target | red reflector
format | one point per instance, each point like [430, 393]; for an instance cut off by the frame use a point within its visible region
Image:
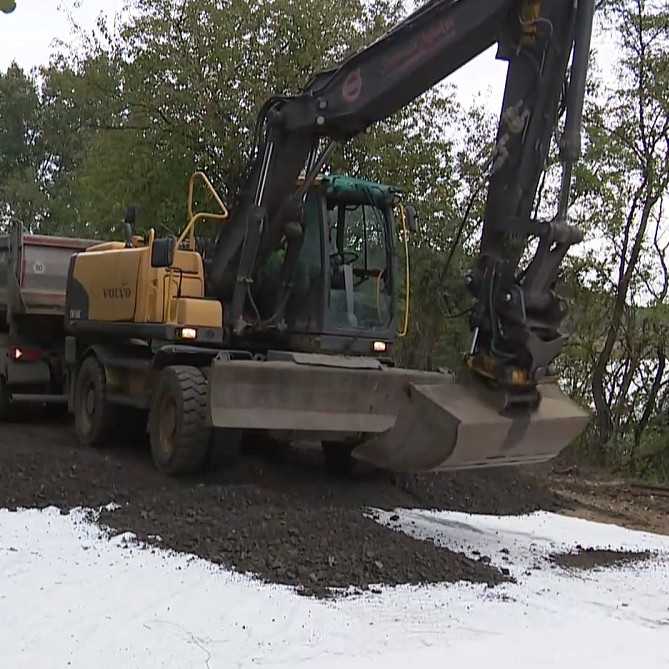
[22, 354]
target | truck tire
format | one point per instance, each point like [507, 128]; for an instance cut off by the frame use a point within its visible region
[6, 404]
[178, 427]
[94, 415]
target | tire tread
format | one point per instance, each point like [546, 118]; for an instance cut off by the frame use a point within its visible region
[189, 385]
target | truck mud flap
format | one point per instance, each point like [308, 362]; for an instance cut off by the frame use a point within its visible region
[406, 420]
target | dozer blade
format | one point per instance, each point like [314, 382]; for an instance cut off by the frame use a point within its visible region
[403, 420]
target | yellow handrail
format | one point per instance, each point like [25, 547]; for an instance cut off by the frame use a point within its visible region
[405, 235]
[189, 230]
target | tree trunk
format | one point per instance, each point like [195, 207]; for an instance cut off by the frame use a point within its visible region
[605, 426]
[649, 409]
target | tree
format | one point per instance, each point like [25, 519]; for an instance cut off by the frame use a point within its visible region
[636, 124]
[23, 163]
[178, 87]
[617, 358]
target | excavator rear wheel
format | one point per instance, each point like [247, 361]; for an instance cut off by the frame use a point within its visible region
[178, 427]
[94, 415]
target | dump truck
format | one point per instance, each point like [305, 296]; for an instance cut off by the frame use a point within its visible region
[284, 323]
[33, 279]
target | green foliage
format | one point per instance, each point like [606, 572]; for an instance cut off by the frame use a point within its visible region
[616, 361]
[177, 88]
[22, 157]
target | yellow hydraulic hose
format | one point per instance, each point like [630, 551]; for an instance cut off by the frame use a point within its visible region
[405, 234]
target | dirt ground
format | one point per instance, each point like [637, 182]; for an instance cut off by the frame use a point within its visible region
[601, 498]
[591, 558]
[279, 516]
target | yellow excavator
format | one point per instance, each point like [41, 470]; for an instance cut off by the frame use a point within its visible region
[285, 321]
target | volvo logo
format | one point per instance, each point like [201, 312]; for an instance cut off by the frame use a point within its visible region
[122, 293]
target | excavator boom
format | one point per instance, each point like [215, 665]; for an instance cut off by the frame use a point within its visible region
[508, 410]
[517, 314]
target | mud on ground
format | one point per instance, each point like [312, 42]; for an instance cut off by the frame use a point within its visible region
[593, 558]
[277, 514]
[598, 497]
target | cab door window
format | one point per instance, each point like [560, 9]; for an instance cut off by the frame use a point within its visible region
[360, 295]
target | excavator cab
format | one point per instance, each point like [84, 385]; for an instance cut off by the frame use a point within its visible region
[349, 279]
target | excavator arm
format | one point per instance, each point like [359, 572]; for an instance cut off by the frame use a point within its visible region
[517, 315]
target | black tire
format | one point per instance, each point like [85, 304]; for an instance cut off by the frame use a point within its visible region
[339, 460]
[224, 448]
[178, 428]
[94, 415]
[6, 404]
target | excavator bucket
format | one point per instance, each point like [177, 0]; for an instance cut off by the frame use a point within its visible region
[402, 420]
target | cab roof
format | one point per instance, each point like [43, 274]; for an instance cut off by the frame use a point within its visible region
[343, 188]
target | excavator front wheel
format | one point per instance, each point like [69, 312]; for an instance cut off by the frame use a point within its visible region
[94, 415]
[178, 427]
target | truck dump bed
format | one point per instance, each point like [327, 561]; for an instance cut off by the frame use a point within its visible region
[33, 272]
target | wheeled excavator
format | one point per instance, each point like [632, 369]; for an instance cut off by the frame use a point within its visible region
[284, 325]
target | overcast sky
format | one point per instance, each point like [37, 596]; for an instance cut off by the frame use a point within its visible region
[28, 35]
